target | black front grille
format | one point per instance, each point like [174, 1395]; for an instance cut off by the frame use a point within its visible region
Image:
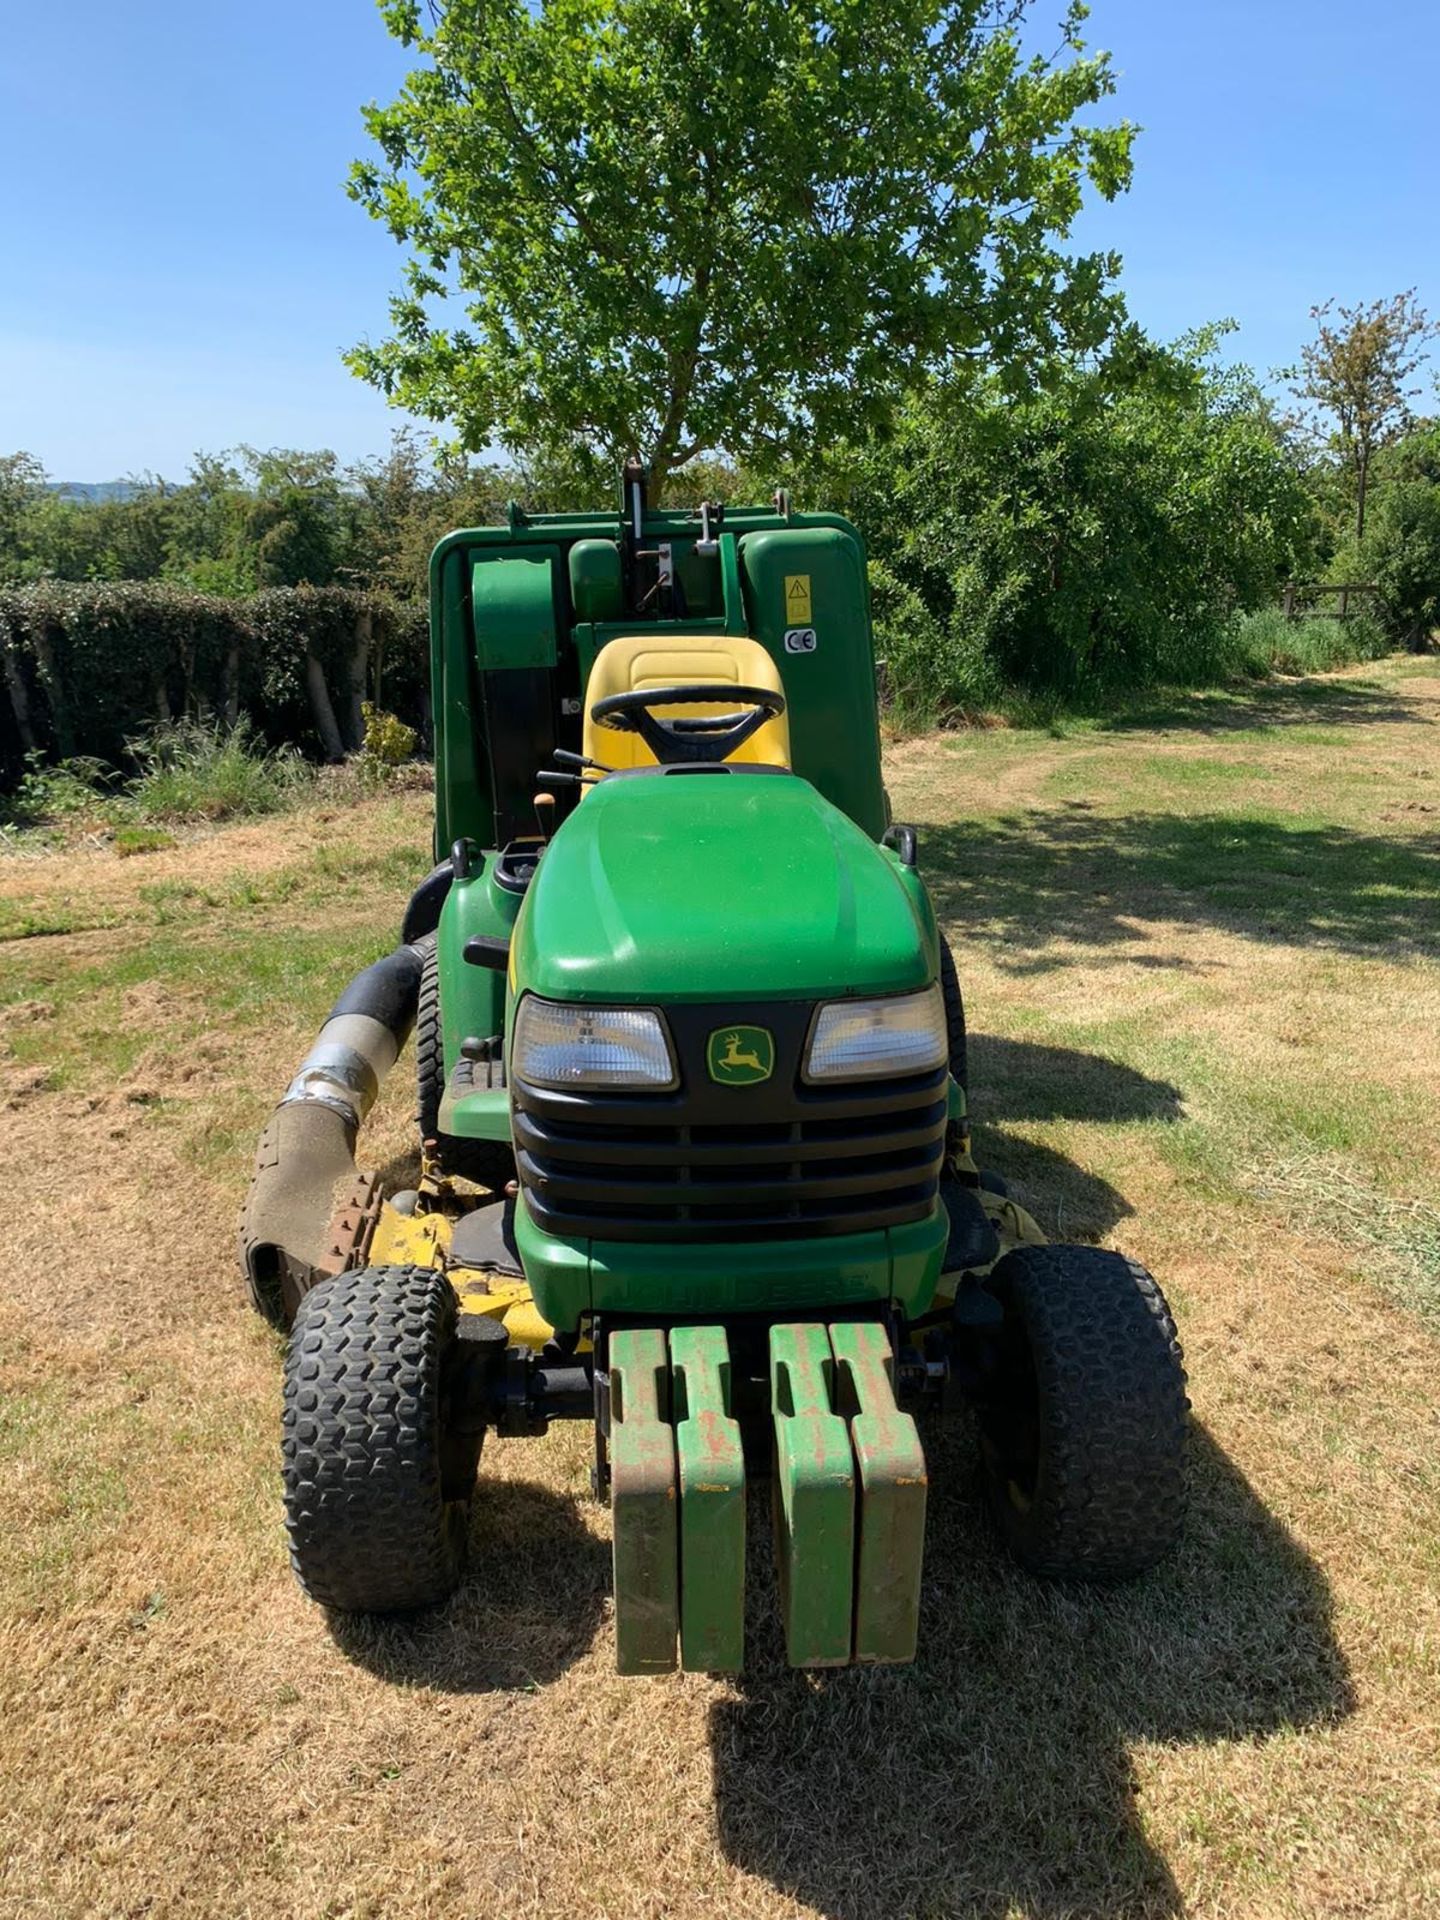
[776, 1161]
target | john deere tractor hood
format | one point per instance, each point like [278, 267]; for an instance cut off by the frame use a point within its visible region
[695, 886]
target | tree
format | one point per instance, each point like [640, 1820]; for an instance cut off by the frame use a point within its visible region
[726, 225]
[399, 505]
[1100, 533]
[294, 521]
[22, 489]
[1356, 371]
[208, 546]
[1405, 548]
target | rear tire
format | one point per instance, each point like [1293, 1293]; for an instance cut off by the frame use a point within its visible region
[954, 1019]
[489, 1163]
[1083, 1430]
[377, 1483]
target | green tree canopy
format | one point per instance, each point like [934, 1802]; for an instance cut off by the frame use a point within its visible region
[1099, 533]
[739, 225]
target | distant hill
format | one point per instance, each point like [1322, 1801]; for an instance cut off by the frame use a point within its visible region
[94, 490]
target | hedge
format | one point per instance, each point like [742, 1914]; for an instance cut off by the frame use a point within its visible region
[88, 667]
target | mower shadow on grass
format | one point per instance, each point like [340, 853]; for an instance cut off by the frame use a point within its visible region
[1016, 882]
[994, 1776]
[1021, 1080]
[532, 1602]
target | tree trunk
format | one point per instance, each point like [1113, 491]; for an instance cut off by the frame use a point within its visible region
[159, 693]
[54, 692]
[19, 698]
[230, 686]
[321, 708]
[359, 677]
[1364, 482]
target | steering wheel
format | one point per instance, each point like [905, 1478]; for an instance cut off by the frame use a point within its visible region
[708, 737]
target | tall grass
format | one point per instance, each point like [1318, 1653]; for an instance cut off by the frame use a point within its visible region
[1267, 642]
[192, 770]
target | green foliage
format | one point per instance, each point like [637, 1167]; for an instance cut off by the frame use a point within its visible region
[685, 229]
[387, 740]
[1404, 544]
[1099, 533]
[191, 771]
[70, 791]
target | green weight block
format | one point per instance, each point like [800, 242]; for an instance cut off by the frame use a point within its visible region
[712, 1503]
[891, 1467]
[642, 1491]
[814, 1500]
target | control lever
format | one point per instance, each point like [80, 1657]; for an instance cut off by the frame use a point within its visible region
[569, 759]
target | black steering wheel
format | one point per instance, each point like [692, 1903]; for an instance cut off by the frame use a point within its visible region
[709, 737]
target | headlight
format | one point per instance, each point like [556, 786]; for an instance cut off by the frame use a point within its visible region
[565, 1046]
[878, 1039]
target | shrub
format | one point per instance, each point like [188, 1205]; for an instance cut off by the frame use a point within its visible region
[387, 739]
[89, 664]
[1405, 543]
[1094, 535]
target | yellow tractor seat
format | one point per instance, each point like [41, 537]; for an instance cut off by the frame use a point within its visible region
[636, 661]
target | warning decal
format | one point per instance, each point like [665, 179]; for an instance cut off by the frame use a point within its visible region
[797, 599]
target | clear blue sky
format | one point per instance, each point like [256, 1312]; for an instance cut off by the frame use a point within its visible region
[180, 266]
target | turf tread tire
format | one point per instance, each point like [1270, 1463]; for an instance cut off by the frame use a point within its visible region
[488, 1163]
[1091, 1343]
[956, 1041]
[362, 1443]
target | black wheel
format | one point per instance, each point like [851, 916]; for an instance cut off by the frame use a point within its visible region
[1082, 1427]
[378, 1482]
[954, 1017]
[489, 1163]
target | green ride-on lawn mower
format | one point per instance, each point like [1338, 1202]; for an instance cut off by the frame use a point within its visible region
[695, 1163]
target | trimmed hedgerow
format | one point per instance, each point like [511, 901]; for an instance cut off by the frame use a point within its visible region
[87, 667]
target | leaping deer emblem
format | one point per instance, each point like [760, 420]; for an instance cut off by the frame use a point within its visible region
[733, 1057]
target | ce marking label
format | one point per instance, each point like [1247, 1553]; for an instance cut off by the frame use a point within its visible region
[800, 640]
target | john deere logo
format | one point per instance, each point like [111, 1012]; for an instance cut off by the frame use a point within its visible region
[740, 1056]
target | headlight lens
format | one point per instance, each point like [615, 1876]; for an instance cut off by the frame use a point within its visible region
[878, 1039]
[566, 1046]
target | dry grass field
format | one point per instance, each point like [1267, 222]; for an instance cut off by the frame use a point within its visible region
[1201, 949]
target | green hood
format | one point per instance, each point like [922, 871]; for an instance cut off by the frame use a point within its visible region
[719, 886]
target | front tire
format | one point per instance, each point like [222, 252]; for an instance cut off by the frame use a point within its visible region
[957, 1043]
[377, 1482]
[489, 1163]
[1082, 1428]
